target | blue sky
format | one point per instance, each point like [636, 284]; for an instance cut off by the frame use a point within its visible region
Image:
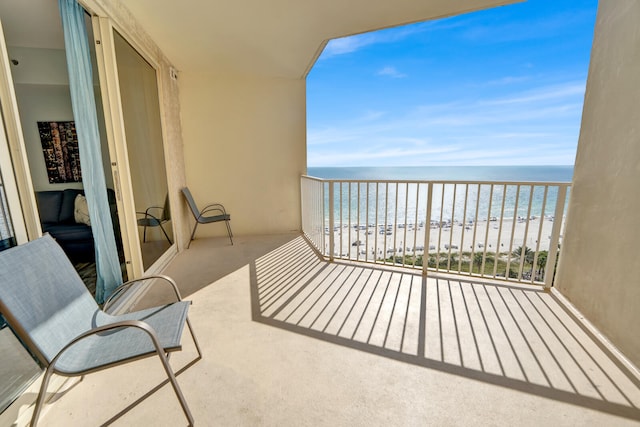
[503, 86]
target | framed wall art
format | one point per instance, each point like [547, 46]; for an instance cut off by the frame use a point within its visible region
[60, 148]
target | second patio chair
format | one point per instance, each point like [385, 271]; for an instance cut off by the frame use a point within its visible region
[214, 212]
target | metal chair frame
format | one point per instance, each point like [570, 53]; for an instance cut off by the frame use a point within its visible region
[49, 363]
[201, 217]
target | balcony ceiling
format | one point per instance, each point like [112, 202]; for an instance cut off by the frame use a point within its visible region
[276, 38]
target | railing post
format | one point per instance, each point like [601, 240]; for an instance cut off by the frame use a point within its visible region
[319, 212]
[331, 223]
[555, 237]
[427, 230]
[313, 217]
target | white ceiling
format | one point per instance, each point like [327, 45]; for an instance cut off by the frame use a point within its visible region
[271, 38]
[277, 38]
[32, 23]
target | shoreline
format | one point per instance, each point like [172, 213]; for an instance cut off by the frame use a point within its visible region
[380, 241]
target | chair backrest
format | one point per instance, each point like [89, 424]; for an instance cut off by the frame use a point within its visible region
[43, 298]
[191, 202]
[166, 209]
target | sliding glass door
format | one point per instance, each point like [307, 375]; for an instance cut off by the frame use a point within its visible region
[7, 231]
[141, 115]
[18, 369]
[129, 83]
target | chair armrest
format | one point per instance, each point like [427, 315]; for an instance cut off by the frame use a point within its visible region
[146, 213]
[213, 207]
[154, 207]
[122, 289]
[117, 325]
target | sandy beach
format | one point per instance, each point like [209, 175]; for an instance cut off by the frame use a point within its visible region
[369, 242]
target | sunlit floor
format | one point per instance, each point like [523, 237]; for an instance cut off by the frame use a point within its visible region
[290, 340]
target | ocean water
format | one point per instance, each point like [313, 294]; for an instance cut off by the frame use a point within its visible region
[448, 173]
[367, 203]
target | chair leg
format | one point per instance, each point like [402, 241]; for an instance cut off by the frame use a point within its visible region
[195, 341]
[144, 234]
[193, 233]
[165, 234]
[165, 364]
[229, 231]
[176, 387]
[41, 395]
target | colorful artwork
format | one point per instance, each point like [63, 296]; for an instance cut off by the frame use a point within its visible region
[60, 147]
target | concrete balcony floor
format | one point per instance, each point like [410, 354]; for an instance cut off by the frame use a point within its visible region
[290, 340]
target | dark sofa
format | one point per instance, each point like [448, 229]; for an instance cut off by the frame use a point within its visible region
[56, 209]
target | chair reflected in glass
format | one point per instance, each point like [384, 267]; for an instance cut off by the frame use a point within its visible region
[201, 217]
[155, 216]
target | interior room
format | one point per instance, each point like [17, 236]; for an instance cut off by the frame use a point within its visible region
[38, 66]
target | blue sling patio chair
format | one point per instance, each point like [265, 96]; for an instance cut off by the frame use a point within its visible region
[51, 311]
[204, 215]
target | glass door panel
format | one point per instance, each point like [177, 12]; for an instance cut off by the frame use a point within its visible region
[18, 368]
[141, 114]
[7, 235]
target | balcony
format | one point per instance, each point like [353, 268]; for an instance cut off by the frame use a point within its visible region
[497, 230]
[290, 338]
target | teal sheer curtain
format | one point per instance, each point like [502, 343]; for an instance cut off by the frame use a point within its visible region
[109, 274]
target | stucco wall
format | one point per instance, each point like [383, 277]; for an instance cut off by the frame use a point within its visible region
[244, 146]
[600, 265]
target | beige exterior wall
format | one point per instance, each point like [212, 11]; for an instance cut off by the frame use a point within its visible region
[244, 146]
[242, 138]
[600, 265]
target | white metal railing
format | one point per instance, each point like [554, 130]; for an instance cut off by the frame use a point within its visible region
[500, 230]
[313, 222]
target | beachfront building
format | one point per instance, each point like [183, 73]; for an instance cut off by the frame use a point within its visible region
[211, 95]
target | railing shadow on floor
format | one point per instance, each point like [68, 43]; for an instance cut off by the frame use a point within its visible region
[514, 336]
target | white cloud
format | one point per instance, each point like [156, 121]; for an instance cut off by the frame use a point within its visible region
[374, 154]
[355, 42]
[389, 71]
[527, 29]
[508, 80]
[350, 44]
[370, 116]
[565, 90]
[531, 127]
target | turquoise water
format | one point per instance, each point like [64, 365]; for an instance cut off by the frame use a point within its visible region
[371, 203]
[449, 173]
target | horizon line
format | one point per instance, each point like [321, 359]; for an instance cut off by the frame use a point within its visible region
[445, 166]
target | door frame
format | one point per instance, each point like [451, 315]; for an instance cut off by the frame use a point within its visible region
[14, 165]
[104, 28]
